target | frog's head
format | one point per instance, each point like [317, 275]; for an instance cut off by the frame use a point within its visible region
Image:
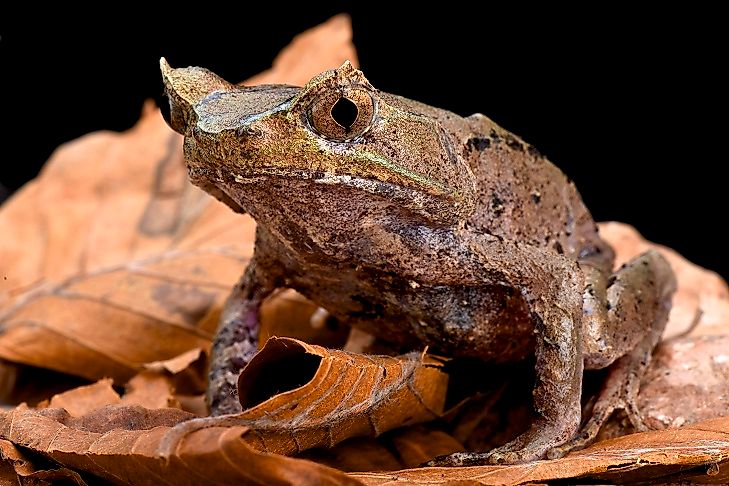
[337, 134]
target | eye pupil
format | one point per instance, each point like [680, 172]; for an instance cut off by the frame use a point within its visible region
[345, 112]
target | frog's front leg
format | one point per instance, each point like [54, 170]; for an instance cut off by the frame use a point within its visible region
[233, 347]
[236, 341]
[625, 316]
[552, 287]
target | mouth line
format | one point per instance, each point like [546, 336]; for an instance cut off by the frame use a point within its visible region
[323, 177]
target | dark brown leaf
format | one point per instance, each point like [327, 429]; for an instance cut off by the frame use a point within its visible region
[360, 454]
[419, 444]
[17, 470]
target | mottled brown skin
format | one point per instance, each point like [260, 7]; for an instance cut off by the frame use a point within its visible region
[423, 228]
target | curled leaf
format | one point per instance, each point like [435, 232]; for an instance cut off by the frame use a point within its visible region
[297, 396]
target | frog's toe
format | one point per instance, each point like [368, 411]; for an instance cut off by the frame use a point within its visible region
[505, 455]
[459, 459]
[497, 457]
[579, 442]
[500, 458]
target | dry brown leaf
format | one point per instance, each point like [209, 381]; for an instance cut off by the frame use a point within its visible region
[687, 382]
[688, 379]
[400, 448]
[289, 314]
[85, 399]
[9, 373]
[186, 373]
[147, 389]
[120, 445]
[195, 404]
[104, 308]
[362, 395]
[324, 47]
[116, 260]
[661, 456]
[333, 395]
[150, 390]
[359, 454]
[418, 445]
[177, 364]
[34, 386]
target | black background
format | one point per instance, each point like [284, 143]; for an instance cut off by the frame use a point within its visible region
[628, 103]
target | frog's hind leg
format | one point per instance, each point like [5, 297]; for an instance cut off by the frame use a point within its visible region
[624, 318]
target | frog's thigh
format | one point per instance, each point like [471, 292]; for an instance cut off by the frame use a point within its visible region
[624, 311]
[632, 310]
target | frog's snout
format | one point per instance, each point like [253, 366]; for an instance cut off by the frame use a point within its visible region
[185, 87]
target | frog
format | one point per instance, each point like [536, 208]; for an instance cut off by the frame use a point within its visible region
[425, 229]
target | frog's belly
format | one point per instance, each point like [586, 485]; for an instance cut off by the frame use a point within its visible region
[489, 322]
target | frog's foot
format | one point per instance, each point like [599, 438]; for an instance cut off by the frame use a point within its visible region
[620, 392]
[171, 440]
[532, 445]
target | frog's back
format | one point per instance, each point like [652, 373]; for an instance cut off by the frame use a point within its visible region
[521, 195]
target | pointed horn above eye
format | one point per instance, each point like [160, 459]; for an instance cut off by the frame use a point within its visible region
[185, 87]
[344, 76]
[347, 67]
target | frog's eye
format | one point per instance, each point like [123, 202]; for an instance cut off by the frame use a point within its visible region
[342, 115]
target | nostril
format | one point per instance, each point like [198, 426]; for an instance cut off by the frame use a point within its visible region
[248, 131]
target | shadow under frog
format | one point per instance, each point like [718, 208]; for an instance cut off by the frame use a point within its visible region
[423, 228]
